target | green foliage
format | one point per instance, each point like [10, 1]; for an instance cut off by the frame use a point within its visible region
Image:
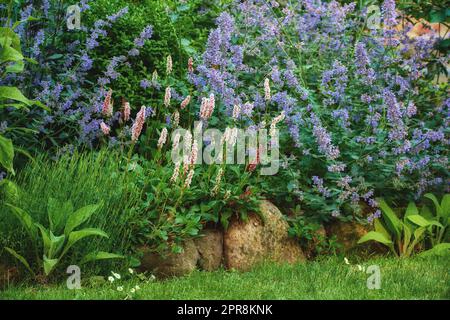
[311, 238]
[402, 236]
[6, 153]
[179, 30]
[11, 61]
[42, 190]
[53, 240]
[172, 212]
[436, 221]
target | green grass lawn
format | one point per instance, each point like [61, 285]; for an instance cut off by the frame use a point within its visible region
[415, 278]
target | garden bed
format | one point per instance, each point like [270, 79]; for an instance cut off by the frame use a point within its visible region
[200, 139]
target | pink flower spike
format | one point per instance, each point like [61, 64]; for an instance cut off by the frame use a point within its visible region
[167, 97]
[185, 102]
[126, 110]
[105, 128]
[190, 65]
[107, 108]
[138, 125]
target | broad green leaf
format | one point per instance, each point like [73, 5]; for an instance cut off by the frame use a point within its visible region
[100, 256]
[442, 249]
[13, 93]
[15, 67]
[381, 229]
[418, 234]
[6, 154]
[437, 206]
[58, 213]
[411, 209]
[49, 265]
[9, 38]
[9, 54]
[392, 221]
[5, 41]
[406, 237]
[11, 190]
[426, 213]
[45, 238]
[445, 205]
[422, 222]
[15, 106]
[78, 217]
[26, 221]
[56, 244]
[20, 258]
[375, 236]
[76, 236]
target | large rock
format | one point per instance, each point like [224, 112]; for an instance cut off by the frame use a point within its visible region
[347, 233]
[170, 264]
[210, 248]
[256, 240]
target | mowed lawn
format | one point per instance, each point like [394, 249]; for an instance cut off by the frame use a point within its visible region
[331, 278]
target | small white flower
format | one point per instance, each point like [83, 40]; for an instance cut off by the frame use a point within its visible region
[120, 288]
[137, 288]
[133, 290]
[111, 279]
[116, 275]
[131, 271]
[346, 261]
[360, 268]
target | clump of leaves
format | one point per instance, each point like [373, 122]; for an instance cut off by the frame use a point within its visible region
[402, 236]
[60, 235]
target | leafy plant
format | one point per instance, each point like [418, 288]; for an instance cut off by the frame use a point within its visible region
[60, 236]
[84, 178]
[312, 237]
[11, 61]
[171, 212]
[437, 223]
[401, 236]
[341, 86]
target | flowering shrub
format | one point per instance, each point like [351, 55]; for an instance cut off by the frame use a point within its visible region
[363, 117]
[116, 47]
[179, 198]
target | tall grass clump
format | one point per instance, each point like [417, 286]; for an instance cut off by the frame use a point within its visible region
[84, 178]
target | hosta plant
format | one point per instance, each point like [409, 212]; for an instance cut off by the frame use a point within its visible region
[438, 231]
[60, 235]
[401, 236]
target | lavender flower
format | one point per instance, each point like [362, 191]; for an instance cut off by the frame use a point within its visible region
[145, 35]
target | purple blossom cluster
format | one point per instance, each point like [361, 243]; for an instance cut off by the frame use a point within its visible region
[366, 92]
[100, 26]
[60, 82]
[323, 139]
